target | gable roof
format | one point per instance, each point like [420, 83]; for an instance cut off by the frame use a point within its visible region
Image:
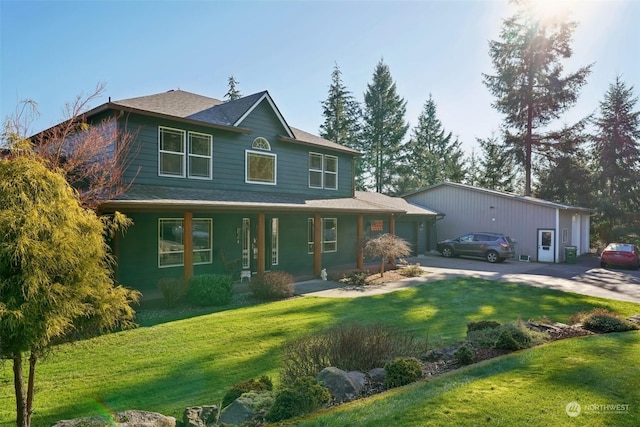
[226, 115]
[512, 196]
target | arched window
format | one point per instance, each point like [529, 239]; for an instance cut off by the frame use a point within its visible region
[261, 143]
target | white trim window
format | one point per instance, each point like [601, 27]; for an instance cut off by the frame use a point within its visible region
[274, 241]
[323, 171]
[565, 235]
[260, 166]
[171, 152]
[200, 147]
[329, 235]
[171, 243]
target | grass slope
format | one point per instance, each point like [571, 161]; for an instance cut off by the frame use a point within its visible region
[532, 387]
[168, 366]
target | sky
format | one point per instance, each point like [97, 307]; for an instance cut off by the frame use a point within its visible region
[52, 51]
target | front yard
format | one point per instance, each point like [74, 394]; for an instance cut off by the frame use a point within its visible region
[170, 364]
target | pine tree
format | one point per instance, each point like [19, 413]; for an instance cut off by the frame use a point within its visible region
[473, 169]
[233, 93]
[563, 174]
[342, 117]
[496, 166]
[431, 155]
[383, 131]
[616, 162]
[529, 86]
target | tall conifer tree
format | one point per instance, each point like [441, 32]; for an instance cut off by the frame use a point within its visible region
[342, 118]
[496, 166]
[384, 128]
[233, 93]
[616, 152]
[528, 84]
[431, 155]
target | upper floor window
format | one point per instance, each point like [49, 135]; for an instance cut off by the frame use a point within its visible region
[171, 152]
[200, 155]
[260, 167]
[261, 143]
[323, 171]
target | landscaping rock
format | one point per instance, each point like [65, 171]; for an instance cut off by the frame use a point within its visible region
[342, 385]
[358, 377]
[122, 419]
[200, 416]
[238, 412]
[377, 375]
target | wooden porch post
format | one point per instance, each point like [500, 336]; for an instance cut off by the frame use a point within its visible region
[260, 243]
[360, 235]
[187, 245]
[317, 245]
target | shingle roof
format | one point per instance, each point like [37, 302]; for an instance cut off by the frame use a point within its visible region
[187, 105]
[154, 197]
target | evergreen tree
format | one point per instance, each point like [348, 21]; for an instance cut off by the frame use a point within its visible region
[233, 93]
[342, 116]
[383, 131]
[563, 173]
[431, 155]
[529, 86]
[496, 168]
[473, 169]
[616, 162]
[55, 275]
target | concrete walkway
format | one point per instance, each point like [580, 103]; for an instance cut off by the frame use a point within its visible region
[585, 277]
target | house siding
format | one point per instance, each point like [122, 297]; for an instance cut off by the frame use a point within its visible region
[229, 157]
[469, 210]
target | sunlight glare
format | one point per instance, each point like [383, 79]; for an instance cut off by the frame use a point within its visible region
[553, 10]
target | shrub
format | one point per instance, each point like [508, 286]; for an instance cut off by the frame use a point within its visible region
[210, 289]
[172, 289]
[402, 371]
[516, 336]
[411, 270]
[356, 278]
[272, 285]
[264, 383]
[510, 336]
[304, 396]
[483, 324]
[464, 355]
[603, 321]
[350, 347]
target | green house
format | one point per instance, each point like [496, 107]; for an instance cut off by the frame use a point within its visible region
[252, 193]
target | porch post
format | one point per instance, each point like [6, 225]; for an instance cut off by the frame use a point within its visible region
[187, 245]
[260, 243]
[317, 245]
[359, 237]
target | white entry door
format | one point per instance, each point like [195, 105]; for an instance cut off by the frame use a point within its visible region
[546, 245]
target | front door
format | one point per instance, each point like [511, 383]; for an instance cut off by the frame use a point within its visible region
[546, 245]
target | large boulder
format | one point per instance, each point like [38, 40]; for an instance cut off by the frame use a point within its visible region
[344, 386]
[200, 416]
[122, 419]
[247, 407]
[377, 375]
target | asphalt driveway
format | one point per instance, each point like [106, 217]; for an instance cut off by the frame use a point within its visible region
[584, 277]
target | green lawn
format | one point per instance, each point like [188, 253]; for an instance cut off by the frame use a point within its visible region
[168, 366]
[531, 387]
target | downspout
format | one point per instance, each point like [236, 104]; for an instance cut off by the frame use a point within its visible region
[556, 249]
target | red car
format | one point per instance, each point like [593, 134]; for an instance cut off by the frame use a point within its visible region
[621, 254]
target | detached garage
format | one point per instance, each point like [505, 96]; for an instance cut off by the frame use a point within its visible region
[541, 229]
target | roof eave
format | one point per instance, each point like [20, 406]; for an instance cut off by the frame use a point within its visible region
[347, 150]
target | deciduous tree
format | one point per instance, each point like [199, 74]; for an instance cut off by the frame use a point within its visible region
[386, 246]
[529, 85]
